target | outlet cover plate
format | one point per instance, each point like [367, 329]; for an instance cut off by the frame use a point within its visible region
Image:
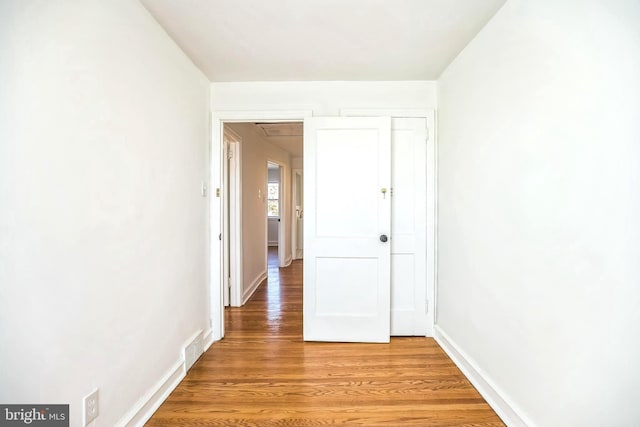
[90, 407]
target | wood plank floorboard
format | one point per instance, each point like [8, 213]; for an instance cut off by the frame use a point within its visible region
[263, 374]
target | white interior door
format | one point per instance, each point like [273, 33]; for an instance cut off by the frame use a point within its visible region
[409, 227]
[348, 211]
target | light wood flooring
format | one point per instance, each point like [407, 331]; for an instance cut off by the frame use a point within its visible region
[263, 374]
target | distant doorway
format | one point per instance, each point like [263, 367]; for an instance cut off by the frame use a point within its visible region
[256, 202]
[275, 214]
[297, 214]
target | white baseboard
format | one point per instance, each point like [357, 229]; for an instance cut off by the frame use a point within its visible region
[149, 403]
[497, 399]
[144, 408]
[253, 286]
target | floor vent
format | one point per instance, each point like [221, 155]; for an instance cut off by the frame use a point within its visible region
[193, 350]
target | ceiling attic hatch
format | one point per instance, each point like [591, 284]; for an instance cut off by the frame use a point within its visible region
[281, 129]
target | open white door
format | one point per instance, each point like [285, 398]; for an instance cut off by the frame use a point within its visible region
[347, 164]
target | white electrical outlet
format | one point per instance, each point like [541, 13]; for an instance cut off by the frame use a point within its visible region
[91, 408]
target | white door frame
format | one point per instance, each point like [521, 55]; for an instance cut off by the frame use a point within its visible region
[282, 225]
[430, 116]
[216, 282]
[294, 212]
[282, 220]
[232, 216]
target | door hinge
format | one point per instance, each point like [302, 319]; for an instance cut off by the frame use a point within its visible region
[229, 155]
[426, 306]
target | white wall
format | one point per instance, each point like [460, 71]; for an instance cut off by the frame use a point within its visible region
[256, 152]
[103, 232]
[539, 200]
[324, 98]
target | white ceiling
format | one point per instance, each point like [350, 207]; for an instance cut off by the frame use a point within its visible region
[280, 40]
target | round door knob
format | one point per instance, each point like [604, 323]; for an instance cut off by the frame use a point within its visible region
[383, 238]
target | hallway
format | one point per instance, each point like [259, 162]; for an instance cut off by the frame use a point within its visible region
[263, 374]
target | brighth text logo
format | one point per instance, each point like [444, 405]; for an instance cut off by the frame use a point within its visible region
[34, 415]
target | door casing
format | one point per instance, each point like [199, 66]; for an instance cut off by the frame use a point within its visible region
[216, 205]
[295, 188]
[282, 262]
[231, 234]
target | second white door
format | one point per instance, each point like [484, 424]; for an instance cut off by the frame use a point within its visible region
[409, 305]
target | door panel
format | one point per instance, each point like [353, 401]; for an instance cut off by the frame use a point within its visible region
[347, 267]
[408, 213]
[340, 181]
[349, 292]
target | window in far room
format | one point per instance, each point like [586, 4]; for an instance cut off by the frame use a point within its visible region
[273, 202]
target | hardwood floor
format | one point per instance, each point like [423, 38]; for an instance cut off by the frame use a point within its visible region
[263, 374]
